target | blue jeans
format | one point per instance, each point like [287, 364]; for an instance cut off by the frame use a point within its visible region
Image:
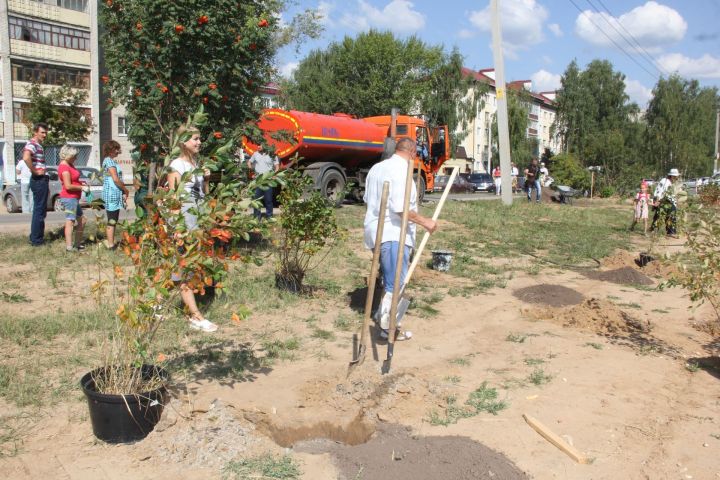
[267, 198]
[538, 190]
[71, 207]
[40, 189]
[388, 263]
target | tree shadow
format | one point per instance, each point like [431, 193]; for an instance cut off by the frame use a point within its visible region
[644, 344]
[224, 361]
[710, 364]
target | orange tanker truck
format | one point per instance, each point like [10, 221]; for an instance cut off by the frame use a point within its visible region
[337, 150]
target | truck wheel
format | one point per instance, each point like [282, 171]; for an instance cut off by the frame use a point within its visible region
[421, 190]
[333, 186]
[10, 204]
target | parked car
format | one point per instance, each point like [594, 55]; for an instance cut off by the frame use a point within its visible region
[440, 183]
[482, 182]
[462, 185]
[13, 202]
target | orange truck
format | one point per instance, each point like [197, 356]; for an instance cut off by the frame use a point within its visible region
[337, 150]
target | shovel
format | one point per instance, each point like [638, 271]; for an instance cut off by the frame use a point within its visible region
[359, 356]
[404, 302]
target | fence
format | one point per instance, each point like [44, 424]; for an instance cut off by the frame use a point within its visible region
[52, 154]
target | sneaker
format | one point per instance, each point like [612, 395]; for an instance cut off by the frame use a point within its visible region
[203, 325]
[71, 249]
[400, 335]
[80, 246]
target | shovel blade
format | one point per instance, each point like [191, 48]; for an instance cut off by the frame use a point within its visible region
[401, 309]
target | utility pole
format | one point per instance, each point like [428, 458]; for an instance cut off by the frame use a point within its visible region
[502, 113]
[717, 141]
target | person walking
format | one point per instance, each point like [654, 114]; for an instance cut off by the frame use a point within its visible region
[70, 194]
[665, 202]
[23, 173]
[514, 174]
[260, 163]
[114, 192]
[393, 170]
[34, 158]
[532, 180]
[642, 202]
[497, 178]
[190, 185]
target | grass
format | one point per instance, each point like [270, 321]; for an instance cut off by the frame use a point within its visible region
[596, 346]
[454, 379]
[482, 399]
[282, 349]
[534, 361]
[630, 305]
[13, 297]
[262, 468]
[539, 377]
[323, 334]
[519, 337]
[692, 367]
[660, 310]
[463, 362]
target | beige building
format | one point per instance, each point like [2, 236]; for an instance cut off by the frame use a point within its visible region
[52, 42]
[541, 115]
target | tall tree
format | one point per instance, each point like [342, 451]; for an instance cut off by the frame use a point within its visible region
[165, 58]
[372, 73]
[62, 109]
[681, 126]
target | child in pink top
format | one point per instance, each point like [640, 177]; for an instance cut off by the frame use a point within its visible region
[642, 202]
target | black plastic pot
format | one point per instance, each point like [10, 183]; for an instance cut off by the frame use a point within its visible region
[124, 418]
[644, 259]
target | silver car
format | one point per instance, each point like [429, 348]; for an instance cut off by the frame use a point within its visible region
[12, 198]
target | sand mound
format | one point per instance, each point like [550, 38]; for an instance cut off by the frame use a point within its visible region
[599, 316]
[623, 276]
[623, 258]
[551, 295]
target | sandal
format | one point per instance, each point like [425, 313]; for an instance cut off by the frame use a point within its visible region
[400, 335]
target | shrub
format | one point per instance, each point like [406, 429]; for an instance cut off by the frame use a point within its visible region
[567, 170]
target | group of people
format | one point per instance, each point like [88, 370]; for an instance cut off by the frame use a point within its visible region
[35, 189]
[535, 178]
[664, 202]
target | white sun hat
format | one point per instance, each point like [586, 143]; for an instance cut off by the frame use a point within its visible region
[673, 173]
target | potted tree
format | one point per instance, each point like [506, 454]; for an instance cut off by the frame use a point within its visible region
[126, 396]
[307, 225]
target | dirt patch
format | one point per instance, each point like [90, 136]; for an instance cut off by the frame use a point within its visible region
[395, 453]
[596, 315]
[551, 295]
[622, 276]
[655, 268]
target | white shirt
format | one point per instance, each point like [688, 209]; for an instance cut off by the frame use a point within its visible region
[514, 172]
[393, 170]
[663, 189]
[194, 182]
[25, 172]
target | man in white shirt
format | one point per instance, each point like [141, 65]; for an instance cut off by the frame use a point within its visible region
[393, 170]
[23, 173]
[260, 162]
[665, 202]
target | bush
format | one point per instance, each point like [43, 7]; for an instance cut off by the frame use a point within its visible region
[568, 171]
[607, 192]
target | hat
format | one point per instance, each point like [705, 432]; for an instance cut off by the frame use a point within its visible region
[673, 173]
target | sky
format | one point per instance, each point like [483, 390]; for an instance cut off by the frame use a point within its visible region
[642, 39]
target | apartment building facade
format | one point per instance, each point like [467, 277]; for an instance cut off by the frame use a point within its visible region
[51, 42]
[541, 115]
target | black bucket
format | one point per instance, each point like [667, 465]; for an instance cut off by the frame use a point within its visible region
[124, 418]
[644, 259]
[441, 260]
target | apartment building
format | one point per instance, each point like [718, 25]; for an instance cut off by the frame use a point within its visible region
[51, 42]
[541, 114]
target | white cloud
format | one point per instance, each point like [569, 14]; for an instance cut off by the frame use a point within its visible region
[544, 81]
[706, 66]
[638, 92]
[652, 25]
[398, 16]
[555, 29]
[465, 33]
[323, 10]
[522, 23]
[287, 69]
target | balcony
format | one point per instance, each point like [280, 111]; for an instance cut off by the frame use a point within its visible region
[532, 132]
[49, 52]
[37, 9]
[20, 89]
[532, 116]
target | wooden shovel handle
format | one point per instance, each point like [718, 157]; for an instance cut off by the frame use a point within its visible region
[375, 263]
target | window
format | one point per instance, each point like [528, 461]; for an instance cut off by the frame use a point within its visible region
[50, 74]
[2, 113]
[20, 111]
[122, 126]
[48, 34]
[77, 5]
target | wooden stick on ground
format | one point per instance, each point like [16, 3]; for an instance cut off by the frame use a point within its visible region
[553, 438]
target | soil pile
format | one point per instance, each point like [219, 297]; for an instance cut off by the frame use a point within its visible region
[395, 453]
[551, 295]
[655, 268]
[622, 276]
[596, 315]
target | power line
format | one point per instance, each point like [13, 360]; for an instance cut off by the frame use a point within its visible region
[652, 74]
[645, 53]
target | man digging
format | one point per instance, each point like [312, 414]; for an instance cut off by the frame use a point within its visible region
[393, 170]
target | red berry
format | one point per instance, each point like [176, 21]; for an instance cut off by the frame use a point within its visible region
[263, 23]
[205, 100]
[105, 79]
[212, 86]
[179, 28]
[203, 20]
[218, 135]
[139, 25]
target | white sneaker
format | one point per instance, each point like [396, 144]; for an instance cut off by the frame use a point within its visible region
[203, 325]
